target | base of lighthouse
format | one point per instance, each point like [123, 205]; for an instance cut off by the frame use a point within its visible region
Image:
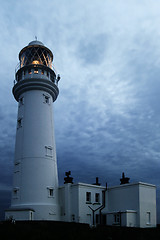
[38, 212]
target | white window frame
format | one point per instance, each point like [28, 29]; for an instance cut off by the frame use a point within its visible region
[148, 218]
[49, 151]
[50, 192]
[47, 99]
[16, 168]
[116, 218]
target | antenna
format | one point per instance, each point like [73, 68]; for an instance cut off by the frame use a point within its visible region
[36, 38]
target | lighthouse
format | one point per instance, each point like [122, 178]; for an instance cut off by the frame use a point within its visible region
[35, 178]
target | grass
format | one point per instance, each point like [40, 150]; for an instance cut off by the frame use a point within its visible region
[47, 230]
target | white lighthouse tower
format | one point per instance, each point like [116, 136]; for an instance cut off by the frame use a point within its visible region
[35, 180]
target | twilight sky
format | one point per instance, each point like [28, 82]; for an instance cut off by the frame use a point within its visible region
[107, 115]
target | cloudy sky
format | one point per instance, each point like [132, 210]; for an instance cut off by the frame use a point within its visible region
[107, 115]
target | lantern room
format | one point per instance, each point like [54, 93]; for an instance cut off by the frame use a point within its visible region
[35, 53]
[36, 62]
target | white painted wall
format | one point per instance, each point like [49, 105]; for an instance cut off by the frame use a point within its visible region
[138, 197]
[74, 207]
[131, 201]
[147, 196]
[20, 215]
[35, 170]
[131, 218]
[85, 213]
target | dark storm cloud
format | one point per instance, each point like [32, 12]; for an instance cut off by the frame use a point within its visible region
[107, 115]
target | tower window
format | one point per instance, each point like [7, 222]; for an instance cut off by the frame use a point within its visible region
[21, 101]
[29, 71]
[49, 151]
[50, 191]
[15, 192]
[17, 167]
[88, 197]
[46, 99]
[19, 123]
[97, 197]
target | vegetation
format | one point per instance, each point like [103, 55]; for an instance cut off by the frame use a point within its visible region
[47, 230]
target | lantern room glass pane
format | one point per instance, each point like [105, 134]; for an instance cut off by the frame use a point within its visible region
[36, 55]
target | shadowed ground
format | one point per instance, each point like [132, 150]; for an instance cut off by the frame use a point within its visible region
[58, 230]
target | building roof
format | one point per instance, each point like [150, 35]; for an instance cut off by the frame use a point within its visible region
[35, 42]
[132, 184]
[109, 188]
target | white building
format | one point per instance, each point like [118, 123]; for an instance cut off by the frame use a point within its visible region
[130, 205]
[36, 194]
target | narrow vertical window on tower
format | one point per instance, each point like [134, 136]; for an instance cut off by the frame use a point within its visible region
[17, 167]
[49, 151]
[15, 192]
[50, 191]
[46, 98]
[21, 101]
[19, 123]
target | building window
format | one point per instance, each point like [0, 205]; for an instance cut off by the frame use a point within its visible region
[29, 71]
[148, 218]
[19, 123]
[46, 99]
[49, 151]
[73, 218]
[117, 218]
[97, 197]
[88, 197]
